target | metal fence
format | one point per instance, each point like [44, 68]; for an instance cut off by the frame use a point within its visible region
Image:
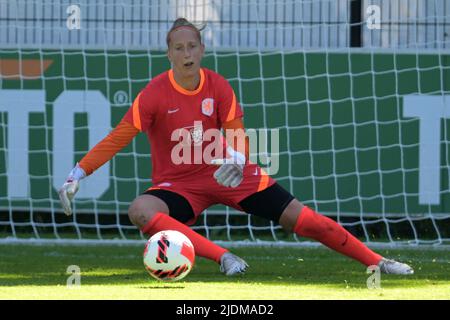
[231, 25]
[416, 24]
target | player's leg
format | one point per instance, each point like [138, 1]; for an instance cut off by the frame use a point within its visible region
[158, 210]
[306, 222]
[276, 204]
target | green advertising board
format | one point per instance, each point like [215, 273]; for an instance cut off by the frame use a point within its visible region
[348, 141]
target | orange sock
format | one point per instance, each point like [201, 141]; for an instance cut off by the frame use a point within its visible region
[327, 231]
[203, 247]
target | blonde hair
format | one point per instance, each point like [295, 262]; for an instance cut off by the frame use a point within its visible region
[182, 22]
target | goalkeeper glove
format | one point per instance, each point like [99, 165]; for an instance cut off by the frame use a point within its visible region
[231, 170]
[70, 187]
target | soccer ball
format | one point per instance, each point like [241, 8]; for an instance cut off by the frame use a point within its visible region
[169, 255]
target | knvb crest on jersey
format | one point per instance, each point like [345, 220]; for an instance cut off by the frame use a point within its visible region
[188, 136]
[197, 134]
[208, 106]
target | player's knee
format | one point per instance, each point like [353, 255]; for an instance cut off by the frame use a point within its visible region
[289, 217]
[136, 211]
[143, 208]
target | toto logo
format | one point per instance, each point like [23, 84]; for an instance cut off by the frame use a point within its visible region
[19, 104]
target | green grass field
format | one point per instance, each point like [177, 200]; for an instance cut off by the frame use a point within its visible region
[116, 272]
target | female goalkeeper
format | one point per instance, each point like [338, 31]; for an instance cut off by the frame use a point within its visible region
[184, 104]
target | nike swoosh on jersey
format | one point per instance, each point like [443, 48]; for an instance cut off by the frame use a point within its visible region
[173, 110]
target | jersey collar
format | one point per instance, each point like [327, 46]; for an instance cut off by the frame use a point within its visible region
[183, 90]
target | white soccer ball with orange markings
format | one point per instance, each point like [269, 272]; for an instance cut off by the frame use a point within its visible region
[169, 255]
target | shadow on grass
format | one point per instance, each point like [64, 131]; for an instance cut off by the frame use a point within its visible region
[203, 274]
[41, 266]
[162, 287]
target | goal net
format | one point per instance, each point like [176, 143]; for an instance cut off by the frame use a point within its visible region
[355, 97]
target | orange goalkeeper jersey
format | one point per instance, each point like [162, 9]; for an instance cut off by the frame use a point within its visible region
[162, 108]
